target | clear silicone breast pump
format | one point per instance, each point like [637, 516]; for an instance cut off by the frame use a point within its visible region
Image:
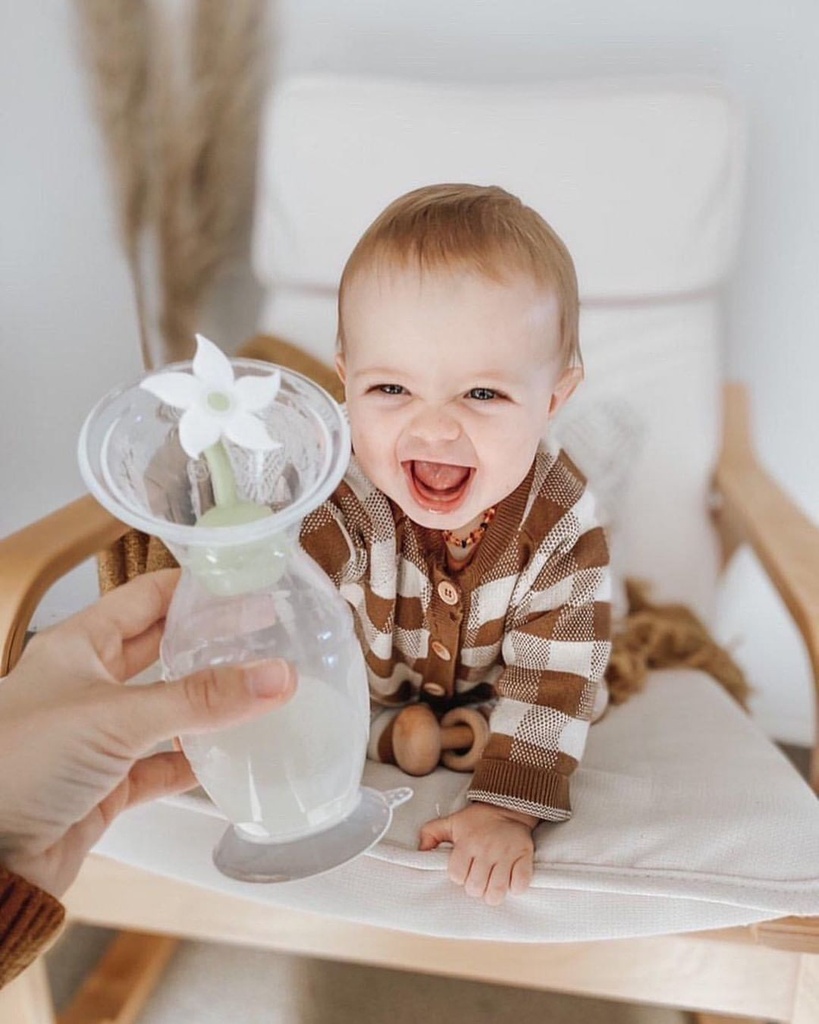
[222, 459]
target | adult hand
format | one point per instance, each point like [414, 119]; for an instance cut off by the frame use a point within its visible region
[75, 744]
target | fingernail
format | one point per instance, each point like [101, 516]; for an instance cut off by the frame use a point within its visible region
[270, 678]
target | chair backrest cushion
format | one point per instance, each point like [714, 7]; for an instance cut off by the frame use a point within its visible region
[643, 181]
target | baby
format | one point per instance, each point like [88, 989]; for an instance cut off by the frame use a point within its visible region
[465, 544]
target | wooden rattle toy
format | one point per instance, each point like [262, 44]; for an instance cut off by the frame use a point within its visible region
[420, 742]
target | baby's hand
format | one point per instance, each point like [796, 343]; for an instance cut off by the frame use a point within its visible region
[492, 849]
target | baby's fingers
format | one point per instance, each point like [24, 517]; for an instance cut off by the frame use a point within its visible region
[459, 865]
[497, 886]
[478, 878]
[505, 879]
[522, 872]
[433, 833]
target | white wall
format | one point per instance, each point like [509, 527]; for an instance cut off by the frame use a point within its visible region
[67, 330]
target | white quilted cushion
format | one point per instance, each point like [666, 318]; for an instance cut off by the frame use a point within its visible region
[686, 818]
[662, 363]
[605, 438]
[640, 178]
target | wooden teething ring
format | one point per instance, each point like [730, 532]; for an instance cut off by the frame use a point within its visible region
[420, 743]
[454, 726]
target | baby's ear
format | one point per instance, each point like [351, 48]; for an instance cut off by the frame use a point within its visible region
[564, 389]
[341, 367]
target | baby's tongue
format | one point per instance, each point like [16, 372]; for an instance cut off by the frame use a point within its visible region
[439, 476]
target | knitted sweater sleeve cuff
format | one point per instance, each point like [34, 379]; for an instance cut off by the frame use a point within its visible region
[522, 787]
[30, 919]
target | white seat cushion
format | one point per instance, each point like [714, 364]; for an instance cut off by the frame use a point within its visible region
[686, 818]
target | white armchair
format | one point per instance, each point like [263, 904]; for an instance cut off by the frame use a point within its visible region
[691, 868]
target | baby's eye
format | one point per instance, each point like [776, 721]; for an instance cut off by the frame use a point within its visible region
[483, 394]
[391, 389]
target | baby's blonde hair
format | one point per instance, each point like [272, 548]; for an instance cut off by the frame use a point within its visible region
[473, 227]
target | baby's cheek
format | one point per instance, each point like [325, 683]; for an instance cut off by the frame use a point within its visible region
[374, 451]
[509, 470]
[362, 431]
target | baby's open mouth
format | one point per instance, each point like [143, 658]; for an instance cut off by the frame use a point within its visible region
[439, 486]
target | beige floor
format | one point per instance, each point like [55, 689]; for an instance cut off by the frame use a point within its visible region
[210, 984]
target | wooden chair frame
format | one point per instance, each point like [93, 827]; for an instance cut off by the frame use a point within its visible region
[767, 972]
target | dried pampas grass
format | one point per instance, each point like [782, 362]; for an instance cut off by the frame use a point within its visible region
[208, 157]
[178, 102]
[116, 46]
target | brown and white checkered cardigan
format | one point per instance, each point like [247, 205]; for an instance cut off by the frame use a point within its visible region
[527, 621]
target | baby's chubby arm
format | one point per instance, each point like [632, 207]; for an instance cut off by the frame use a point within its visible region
[492, 849]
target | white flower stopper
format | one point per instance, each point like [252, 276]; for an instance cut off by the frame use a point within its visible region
[215, 404]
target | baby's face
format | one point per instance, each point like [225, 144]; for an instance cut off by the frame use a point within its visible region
[450, 379]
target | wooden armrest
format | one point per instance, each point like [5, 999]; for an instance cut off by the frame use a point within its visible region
[799, 934]
[35, 557]
[276, 350]
[751, 506]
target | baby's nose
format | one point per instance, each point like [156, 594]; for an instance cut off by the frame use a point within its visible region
[435, 425]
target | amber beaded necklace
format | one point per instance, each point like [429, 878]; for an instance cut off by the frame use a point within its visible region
[464, 543]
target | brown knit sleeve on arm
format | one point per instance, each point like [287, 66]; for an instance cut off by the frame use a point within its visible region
[555, 650]
[334, 535]
[30, 919]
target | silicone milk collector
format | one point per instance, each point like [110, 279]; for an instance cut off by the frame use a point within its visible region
[222, 459]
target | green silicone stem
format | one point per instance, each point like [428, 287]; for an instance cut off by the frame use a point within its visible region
[221, 475]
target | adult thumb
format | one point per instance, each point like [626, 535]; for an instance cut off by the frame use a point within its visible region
[211, 699]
